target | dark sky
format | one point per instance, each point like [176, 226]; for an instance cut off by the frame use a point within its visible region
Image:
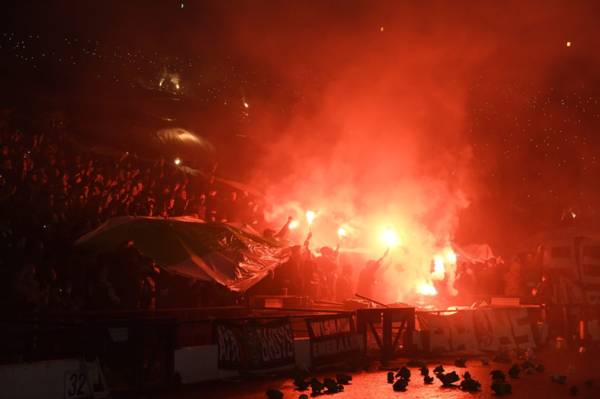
[479, 119]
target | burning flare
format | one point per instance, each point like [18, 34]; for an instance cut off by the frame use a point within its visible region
[450, 255]
[440, 262]
[310, 217]
[293, 224]
[390, 237]
[439, 270]
[427, 289]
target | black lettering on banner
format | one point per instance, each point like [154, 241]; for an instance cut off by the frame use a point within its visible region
[229, 346]
[254, 344]
[332, 338]
[270, 344]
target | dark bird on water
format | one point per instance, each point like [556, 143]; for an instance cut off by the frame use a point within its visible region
[498, 375]
[448, 379]
[400, 385]
[403, 373]
[501, 387]
[390, 377]
[343, 379]
[514, 371]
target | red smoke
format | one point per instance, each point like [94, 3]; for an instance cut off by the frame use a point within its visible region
[380, 131]
[376, 137]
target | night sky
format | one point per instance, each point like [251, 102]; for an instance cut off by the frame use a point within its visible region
[494, 105]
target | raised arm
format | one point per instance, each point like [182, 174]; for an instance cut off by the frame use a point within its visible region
[307, 241]
[284, 229]
[385, 254]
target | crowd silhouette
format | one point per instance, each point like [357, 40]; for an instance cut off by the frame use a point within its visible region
[53, 190]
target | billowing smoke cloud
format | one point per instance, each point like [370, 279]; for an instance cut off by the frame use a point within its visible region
[388, 116]
[376, 138]
[394, 113]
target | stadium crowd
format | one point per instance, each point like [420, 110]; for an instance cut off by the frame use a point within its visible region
[53, 190]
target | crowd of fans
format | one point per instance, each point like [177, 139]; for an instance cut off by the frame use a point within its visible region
[52, 191]
[519, 278]
[315, 275]
[325, 275]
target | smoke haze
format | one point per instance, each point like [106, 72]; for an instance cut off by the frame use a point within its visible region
[448, 121]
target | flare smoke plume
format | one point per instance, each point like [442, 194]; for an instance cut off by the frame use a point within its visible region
[377, 136]
[381, 130]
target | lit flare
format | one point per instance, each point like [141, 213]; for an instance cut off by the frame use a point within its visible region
[390, 237]
[310, 217]
[439, 269]
[426, 289]
[450, 255]
[293, 225]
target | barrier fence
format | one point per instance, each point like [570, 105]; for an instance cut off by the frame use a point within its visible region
[136, 349]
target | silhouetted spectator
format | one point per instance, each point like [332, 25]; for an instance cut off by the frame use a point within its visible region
[367, 276]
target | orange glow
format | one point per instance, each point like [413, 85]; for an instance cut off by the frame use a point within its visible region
[310, 217]
[439, 269]
[342, 232]
[390, 237]
[450, 255]
[440, 261]
[427, 289]
[177, 161]
[569, 44]
[293, 224]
